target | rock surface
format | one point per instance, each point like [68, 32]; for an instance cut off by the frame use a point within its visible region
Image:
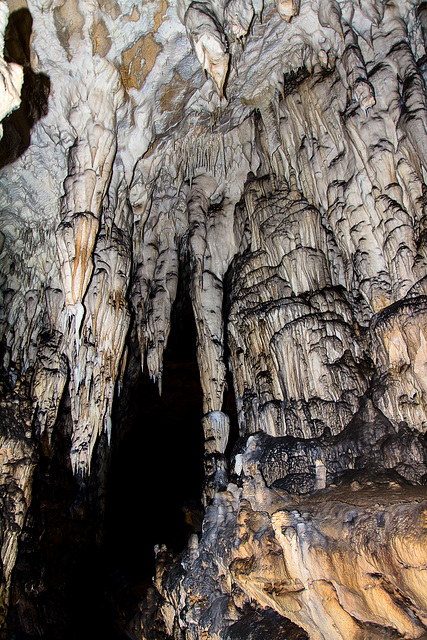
[11, 74]
[344, 562]
[278, 149]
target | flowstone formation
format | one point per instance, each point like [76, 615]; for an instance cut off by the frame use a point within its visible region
[279, 150]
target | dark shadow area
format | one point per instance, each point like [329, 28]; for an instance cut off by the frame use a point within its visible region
[156, 473]
[229, 405]
[263, 624]
[34, 94]
[86, 555]
[60, 577]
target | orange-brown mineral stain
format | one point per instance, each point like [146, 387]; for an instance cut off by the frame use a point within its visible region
[69, 22]
[134, 16]
[101, 39]
[138, 60]
[111, 7]
[14, 5]
[171, 94]
[160, 14]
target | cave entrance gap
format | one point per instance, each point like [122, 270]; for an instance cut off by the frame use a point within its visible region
[86, 557]
[156, 471]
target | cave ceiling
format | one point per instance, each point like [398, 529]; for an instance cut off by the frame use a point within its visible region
[152, 107]
[278, 152]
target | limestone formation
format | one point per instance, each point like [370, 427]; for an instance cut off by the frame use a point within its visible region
[337, 563]
[11, 73]
[277, 150]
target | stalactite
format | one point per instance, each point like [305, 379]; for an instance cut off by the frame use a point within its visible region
[156, 278]
[288, 8]
[329, 13]
[293, 181]
[354, 66]
[400, 346]
[103, 333]
[285, 369]
[90, 161]
[208, 41]
[238, 16]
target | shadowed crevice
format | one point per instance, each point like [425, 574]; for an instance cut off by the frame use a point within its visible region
[34, 94]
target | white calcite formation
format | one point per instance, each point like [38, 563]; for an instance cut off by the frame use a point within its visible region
[281, 149]
[11, 74]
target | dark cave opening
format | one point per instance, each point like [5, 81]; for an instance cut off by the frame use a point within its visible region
[87, 554]
[156, 472]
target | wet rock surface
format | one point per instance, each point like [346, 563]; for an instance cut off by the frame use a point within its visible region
[266, 162]
[347, 561]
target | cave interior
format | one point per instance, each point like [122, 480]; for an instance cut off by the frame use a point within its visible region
[213, 319]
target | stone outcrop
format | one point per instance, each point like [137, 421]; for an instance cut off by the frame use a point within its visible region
[278, 149]
[343, 562]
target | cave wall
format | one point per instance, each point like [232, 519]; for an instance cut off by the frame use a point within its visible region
[279, 149]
